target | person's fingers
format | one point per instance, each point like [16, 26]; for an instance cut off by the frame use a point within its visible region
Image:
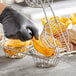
[34, 31]
[19, 35]
[25, 34]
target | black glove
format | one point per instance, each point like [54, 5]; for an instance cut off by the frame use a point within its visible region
[17, 26]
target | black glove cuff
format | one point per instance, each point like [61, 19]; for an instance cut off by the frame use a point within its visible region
[5, 13]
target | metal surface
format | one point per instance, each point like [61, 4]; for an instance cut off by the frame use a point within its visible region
[25, 67]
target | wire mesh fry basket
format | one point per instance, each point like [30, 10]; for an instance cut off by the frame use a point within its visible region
[54, 35]
[52, 58]
[14, 52]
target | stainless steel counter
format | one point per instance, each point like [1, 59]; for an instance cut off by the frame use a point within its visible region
[26, 67]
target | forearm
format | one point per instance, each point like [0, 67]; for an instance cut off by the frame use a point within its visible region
[2, 7]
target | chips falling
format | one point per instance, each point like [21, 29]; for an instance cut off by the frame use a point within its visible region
[43, 49]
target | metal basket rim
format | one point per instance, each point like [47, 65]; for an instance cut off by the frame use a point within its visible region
[2, 41]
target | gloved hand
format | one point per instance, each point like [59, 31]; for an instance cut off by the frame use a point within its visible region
[17, 26]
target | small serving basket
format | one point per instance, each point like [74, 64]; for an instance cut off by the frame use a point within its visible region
[14, 52]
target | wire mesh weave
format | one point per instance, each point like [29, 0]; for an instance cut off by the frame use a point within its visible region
[57, 32]
[37, 3]
[43, 61]
[14, 52]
